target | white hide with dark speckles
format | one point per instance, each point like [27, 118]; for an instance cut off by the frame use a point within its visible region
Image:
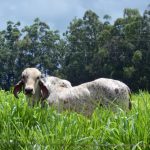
[85, 97]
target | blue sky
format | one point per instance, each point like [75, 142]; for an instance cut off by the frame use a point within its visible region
[59, 13]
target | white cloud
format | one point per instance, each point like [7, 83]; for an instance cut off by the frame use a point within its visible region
[59, 13]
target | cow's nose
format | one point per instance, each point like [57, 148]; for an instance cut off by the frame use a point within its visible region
[28, 90]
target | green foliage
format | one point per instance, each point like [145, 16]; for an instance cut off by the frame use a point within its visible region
[137, 56]
[119, 51]
[129, 71]
[37, 47]
[89, 49]
[23, 127]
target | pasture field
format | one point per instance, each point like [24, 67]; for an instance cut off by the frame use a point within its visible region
[26, 128]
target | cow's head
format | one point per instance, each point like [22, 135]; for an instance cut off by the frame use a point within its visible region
[31, 83]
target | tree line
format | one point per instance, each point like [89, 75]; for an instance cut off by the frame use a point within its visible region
[90, 48]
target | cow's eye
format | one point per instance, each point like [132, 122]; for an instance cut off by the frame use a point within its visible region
[38, 78]
[23, 77]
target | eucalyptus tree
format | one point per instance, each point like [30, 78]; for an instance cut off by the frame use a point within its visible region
[82, 39]
[40, 47]
[8, 52]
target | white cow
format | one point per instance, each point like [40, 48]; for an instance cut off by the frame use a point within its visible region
[83, 98]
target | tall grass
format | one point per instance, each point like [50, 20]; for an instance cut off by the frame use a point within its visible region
[25, 128]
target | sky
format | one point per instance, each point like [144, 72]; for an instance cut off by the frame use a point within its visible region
[59, 13]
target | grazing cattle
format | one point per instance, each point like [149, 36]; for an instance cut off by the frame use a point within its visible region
[83, 98]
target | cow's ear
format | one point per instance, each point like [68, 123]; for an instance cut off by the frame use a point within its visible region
[44, 90]
[17, 88]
